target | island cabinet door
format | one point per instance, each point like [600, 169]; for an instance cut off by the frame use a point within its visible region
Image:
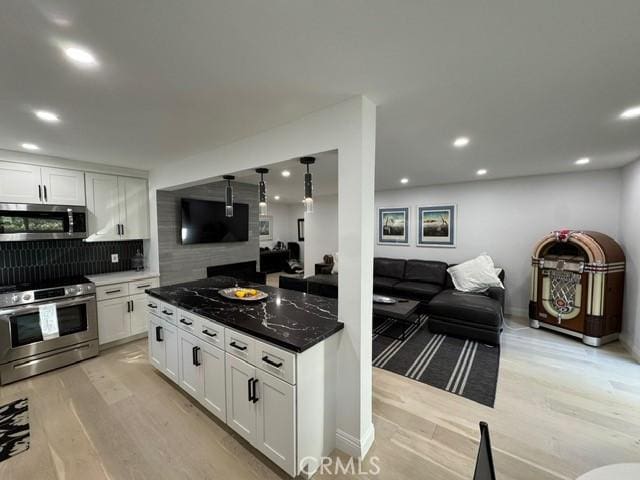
[156, 342]
[190, 364]
[171, 354]
[214, 386]
[241, 408]
[276, 420]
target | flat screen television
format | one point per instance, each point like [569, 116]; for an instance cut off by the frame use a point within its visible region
[204, 221]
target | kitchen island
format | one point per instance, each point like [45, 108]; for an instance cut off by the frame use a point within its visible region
[267, 369]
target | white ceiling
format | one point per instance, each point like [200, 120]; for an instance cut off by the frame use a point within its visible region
[535, 85]
[324, 174]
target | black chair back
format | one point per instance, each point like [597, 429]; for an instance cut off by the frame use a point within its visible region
[294, 250]
[484, 463]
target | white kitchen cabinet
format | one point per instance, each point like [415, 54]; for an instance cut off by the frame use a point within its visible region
[138, 314]
[214, 385]
[63, 187]
[163, 347]
[190, 376]
[103, 207]
[241, 408]
[22, 183]
[118, 207]
[114, 319]
[276, 420]
[134, 207]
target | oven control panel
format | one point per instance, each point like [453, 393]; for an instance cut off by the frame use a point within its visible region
[32, 296]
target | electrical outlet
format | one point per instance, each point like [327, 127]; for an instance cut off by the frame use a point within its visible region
[114, 258]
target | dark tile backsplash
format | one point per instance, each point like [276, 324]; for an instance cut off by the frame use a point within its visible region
[44, 260]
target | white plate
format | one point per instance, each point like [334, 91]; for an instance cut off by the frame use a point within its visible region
[230, 293]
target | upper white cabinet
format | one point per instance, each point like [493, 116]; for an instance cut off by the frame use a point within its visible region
[118, 207]
[22, 183]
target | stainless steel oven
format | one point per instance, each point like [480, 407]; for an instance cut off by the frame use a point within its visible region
[20, 221]
[25, 350]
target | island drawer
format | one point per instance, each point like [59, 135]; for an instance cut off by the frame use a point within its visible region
[277, 362]
[242, 346]
[116, 290]
[153, 305]
[211, 332]
[187, 321]
[168, 312]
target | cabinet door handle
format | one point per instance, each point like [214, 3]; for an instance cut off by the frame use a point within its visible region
[209, 334]
[158, 332]
[166, 312]
[255, 390]
[109, 292]
[45, 194]
[40, 192]
[132, 308]
[152, 305]
[266, 359]
[184, 321]
[249, 387]
[128, 306]
[122, 225]
[239, 347]
[144, 286]
[194, 353]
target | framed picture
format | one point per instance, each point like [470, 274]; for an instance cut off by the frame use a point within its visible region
[437, 226]
[265, 225]
[393, 226]
[301, 229]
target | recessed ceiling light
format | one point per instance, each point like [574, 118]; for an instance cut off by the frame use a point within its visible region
[404, 180]
[277, 197]
[81, 56]
[47, 116]
[631, 113]
[286, 173]
[461, 142]
[482, 171]
[582, 161]
[30, 146]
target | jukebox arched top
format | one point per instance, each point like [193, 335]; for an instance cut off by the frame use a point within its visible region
[594, 247]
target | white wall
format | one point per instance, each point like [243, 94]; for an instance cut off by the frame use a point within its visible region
[506, 217]
[348, 127]
[321, 231]
[630, 233]
[284, 224]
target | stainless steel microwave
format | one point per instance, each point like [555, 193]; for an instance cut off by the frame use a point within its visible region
[21, 221]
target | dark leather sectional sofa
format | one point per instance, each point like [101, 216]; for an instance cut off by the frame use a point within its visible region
[477, 316]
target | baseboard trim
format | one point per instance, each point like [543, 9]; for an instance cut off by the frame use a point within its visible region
[635, 353]
[353, 446]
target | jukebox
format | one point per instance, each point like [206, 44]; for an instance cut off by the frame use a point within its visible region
[577, 283]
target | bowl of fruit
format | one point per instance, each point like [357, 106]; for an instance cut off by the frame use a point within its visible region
[243, 294]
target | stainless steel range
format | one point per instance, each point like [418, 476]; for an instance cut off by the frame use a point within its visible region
[46, 325]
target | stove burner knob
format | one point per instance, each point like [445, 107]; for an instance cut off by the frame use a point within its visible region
[26, 297]
[15, 298]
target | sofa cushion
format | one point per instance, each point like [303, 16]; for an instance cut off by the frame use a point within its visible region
[389, 267]
[475, 275]
[384, 284]
[472, 308]
[416, 290]
[426, 271]
[324, 279]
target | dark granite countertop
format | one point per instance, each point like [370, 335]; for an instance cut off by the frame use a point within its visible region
[293, 320]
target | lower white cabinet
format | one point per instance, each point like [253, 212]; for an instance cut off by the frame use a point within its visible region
[163, 347]
[282, 403]
[138, 314]
[114, 320]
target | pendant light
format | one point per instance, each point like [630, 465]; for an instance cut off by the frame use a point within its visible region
[263, 191]
[228, 196]
[308, 184]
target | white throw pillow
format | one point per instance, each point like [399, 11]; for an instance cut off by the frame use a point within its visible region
[335, 263]
[475, 275]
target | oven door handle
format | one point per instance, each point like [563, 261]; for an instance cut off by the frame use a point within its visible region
[34, 307]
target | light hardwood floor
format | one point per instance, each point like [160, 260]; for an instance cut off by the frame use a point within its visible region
[562, 409]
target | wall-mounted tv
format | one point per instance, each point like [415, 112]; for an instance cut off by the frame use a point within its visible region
[204, 221]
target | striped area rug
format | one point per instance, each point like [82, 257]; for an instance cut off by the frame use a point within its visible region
[463, 367]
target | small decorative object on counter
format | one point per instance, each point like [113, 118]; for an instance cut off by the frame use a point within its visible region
[137, 261]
